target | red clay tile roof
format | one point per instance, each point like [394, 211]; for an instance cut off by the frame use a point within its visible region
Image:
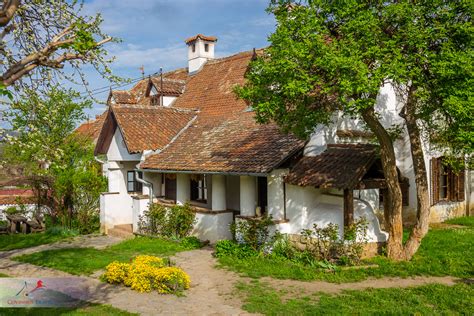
[203, 37]
[123, 97]
[173, 85]
[234, 145]
[225, 136]
[146, 127]
[16, 196]
[341, 166]
[92, 128]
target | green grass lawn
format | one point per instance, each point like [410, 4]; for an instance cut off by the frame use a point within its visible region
[84, 261]
[444, 251]
[430, 299]
[94, 310]
[19, 241]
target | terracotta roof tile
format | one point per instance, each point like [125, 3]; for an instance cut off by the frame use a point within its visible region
[234, 145]
[123, 97]
[340, 166]
[203, 37]
[92, 128]
[149, 127]
[225, 137]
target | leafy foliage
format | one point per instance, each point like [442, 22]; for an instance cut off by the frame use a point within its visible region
[443, 252]
[59, 163]
[41, 37]
[176, 221]
[254, 232]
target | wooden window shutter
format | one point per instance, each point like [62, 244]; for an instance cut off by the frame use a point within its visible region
[460, 185]
[434, 180]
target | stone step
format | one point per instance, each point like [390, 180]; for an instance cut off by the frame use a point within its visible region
[124, 227]
[121, 231]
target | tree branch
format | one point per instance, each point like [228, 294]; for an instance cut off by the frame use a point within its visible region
[8, 11]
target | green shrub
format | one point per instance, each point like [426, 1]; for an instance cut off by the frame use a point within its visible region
[254, 232]
[191, 242]
[326, 245]
[173, 222]
[226, 248]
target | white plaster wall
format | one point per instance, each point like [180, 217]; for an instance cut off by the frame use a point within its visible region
[118, 150]
[213, 227]
[307, 206]
[167, 101]
[155, 180]
[219, 201]
[248, 195]
[115, 209]
[30, 209]
[183, 188]
[275, 191]
[139, 206]
[198, 58]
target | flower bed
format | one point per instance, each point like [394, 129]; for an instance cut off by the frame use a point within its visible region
[147, 273]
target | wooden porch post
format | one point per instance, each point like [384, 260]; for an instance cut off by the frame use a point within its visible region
[348, 207]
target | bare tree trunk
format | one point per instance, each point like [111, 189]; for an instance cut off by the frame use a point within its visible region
[393, 213]
[423, 206]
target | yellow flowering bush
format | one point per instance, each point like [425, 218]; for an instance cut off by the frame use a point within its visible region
[116, 272]
[147, 273]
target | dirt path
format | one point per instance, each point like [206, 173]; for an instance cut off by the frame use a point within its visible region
[299, 288]
[212, 290]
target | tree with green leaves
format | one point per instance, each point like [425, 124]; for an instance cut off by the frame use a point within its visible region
[58, 161]
[328, 57]
[39, 38]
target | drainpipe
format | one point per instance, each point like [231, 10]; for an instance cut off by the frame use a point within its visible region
[146, 183]
[99, 161]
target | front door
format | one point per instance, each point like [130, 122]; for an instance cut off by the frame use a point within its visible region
[262, 194]
[170, 188]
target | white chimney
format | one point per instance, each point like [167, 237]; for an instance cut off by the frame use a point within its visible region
[200, 50]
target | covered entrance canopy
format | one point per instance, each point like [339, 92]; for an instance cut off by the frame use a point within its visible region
[345, 167]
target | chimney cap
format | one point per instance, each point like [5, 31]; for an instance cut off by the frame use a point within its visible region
[200, 36]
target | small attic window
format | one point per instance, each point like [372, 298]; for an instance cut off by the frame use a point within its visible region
[206, 48]
[194, 48]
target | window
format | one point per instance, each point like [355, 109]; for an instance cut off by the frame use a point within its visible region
[206, 47]
[446, 184]
[199, 188]
[194, 48]
[133, 186]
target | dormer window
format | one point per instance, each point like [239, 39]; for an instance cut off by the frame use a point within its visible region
[206, 48]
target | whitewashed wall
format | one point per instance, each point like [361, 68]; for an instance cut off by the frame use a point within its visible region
[307, 206]
[213, 227]
[118, 150]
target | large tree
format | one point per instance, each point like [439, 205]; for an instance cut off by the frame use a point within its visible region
[39, 38]
[330, 56]
[58, 162]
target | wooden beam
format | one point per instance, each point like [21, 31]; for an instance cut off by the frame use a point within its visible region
[348, 207]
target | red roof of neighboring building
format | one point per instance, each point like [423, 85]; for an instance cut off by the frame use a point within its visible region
[92, 128]
[16, 196]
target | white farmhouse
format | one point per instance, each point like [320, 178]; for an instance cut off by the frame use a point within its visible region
[185, 137]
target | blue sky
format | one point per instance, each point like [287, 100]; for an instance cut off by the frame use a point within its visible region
[153, 32]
